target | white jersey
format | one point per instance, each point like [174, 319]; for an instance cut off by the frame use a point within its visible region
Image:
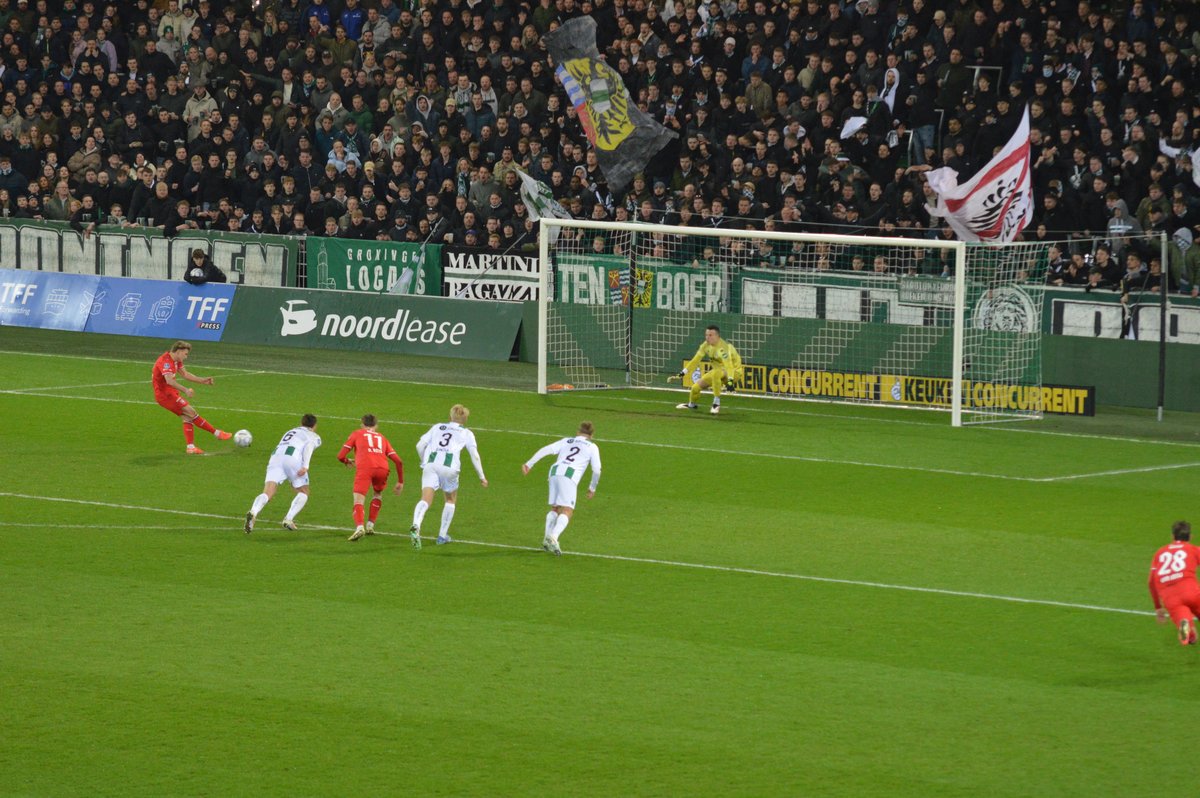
[442, 446]
[574, 457]
[298, 444]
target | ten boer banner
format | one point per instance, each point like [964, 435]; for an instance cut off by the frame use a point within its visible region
[624, 138]
[473, 273]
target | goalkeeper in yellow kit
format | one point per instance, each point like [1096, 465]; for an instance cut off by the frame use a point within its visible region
[725, 373]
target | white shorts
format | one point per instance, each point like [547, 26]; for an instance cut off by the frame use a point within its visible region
[284, 469]
[439, 477]
[563, 492]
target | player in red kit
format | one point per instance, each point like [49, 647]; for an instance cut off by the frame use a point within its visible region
[369, 453]
[168, 392]
[1173, 582]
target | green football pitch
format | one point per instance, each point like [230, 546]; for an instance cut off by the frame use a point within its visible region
[789, 599]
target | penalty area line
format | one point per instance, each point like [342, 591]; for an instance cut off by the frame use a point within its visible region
[651, 444]
[729, 569]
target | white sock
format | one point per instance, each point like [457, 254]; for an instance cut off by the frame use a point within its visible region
[419, 513]
[559, 526]
[551, 517]
[447, 517]
[297, 505]
[260, 502]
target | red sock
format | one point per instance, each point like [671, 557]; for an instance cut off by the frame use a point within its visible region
[358, 515]
[375, 505]
[189, 435]
[204, 425]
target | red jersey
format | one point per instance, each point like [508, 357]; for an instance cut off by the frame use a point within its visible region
[371, 451]
[163, 367]
[1174, 565]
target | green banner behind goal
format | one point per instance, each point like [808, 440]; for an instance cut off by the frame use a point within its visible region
[834, 318]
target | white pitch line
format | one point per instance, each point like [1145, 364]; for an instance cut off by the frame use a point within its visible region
[673, 446]
[650, 444]
[730, 569]
[609, 395]
[112, 384]
[282, 373]
[127, 527]
[1115, 472]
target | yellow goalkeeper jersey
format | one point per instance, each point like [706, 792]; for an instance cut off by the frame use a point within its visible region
[721, 353]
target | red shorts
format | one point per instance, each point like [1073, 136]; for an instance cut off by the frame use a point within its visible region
[1182, 602]
[376, 478]
[172, 401]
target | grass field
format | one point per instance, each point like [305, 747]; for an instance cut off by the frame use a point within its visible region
[789, 599]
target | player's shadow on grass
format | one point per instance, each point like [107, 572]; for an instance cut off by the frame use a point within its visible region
[170, 459]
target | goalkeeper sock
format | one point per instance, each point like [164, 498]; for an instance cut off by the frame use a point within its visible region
[447, 517]
[260, 502]
[358, 515]
[559, 526]
[297, 505]
[694, 393]
[375, 505]
[189, 434]
[419, 513]
[551, 517]
[204, 425]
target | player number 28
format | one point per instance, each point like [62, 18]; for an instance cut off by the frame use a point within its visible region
[1171, 563]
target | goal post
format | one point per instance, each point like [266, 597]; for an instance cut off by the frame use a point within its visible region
[898, 322]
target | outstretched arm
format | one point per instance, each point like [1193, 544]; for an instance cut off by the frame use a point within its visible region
[538, 455]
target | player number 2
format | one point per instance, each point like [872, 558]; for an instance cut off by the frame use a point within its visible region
[571, 455]
[1171, 563]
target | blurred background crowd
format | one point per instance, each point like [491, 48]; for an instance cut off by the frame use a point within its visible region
[406, 121]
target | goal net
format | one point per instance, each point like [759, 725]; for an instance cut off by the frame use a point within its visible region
[871, 320]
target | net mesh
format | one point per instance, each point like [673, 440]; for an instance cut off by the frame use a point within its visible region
[867, 322]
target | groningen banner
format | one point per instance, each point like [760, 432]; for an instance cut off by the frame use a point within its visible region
[377, 267]
[114, 305]
[374, 323]
[474, 273]
[137, 252]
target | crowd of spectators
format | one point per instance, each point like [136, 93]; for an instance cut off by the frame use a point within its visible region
[383, 119]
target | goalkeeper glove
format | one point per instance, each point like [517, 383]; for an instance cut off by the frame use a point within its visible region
[675, 377]
[730, 385]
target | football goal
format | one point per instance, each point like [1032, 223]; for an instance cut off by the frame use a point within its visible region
[898, 322]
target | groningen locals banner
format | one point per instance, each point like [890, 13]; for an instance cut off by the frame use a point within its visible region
[377, 267]
[474, 273]
[137, 252]
[114, 305]
[374, 323]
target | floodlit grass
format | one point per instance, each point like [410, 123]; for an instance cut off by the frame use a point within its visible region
[789, 599]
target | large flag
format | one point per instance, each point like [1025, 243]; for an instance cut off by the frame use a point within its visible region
[624, 138]
[540, 202]
[997, 203]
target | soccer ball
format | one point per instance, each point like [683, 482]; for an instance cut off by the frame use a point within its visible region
[242, 438]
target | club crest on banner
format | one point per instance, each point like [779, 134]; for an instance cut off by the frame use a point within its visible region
[996, 204]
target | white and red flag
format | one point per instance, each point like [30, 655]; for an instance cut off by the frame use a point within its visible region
[997, 203]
